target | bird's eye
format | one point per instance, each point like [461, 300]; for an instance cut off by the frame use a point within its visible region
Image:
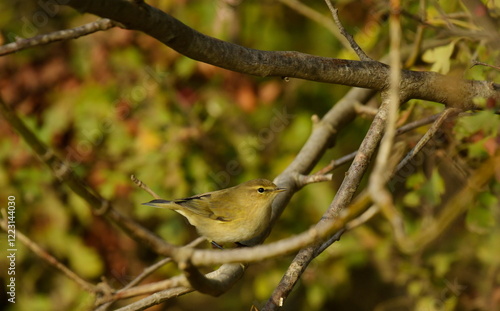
[261, 190]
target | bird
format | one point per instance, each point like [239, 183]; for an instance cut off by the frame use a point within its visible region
[230, 215]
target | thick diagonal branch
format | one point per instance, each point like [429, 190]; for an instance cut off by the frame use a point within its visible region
[63, 172]
[453, 92]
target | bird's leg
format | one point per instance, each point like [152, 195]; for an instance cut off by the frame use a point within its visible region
[216, 245]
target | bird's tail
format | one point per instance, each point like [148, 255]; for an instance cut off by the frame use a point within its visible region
[159, 203]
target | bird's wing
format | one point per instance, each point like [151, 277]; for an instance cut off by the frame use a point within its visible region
[201, 205]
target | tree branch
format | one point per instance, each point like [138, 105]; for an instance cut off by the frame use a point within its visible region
[51, 260]
[453, 92]
[373, 75]
[481, 16]
[64, 172]
[456, 206]
[428, 135]
[226, 274]
[66, 34]
[382, 170]
[344, 196]
[323, 132]
[357, 49]
[323, 229]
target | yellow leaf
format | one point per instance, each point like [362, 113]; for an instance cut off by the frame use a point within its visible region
[147, 140]
[440, 58]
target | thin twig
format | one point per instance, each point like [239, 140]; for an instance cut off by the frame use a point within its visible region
[428, 135]
[306, 255]
[143, 186]
[322, 230]
[21, 44]
[156, 299]
[364, 199]
[457, 205]
[401, 130]
[334, 238]
[476, 63]
[168, 30]
[365, 110]
[357, 49]
[418, 123]
[419, 36]
[224, 278]
[130, 290]
[303, 180]
[174, 282]
[390, 213]
[66, 174]
[382, 170]
[336, 163]
[336, 212]
[159, 264]
[363, 218]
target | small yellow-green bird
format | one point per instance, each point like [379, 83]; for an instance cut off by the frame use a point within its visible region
[235, 214]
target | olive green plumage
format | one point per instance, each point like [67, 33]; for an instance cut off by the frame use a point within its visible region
[234, 214]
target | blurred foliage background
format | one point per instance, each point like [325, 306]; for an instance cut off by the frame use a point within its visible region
[117, 103]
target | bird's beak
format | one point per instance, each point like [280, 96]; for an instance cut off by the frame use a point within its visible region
[280, 189]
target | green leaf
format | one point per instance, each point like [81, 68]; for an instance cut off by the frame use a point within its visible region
[83, 259]
[477, 150]
[481, 217]
[412, 199]
[316, 296]
[265, 283]
[484, 121]
[426, 303]
[434, 188]
[440, 57]
[185, 67]
[415, 181]
[441, 263]
[415, 288]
